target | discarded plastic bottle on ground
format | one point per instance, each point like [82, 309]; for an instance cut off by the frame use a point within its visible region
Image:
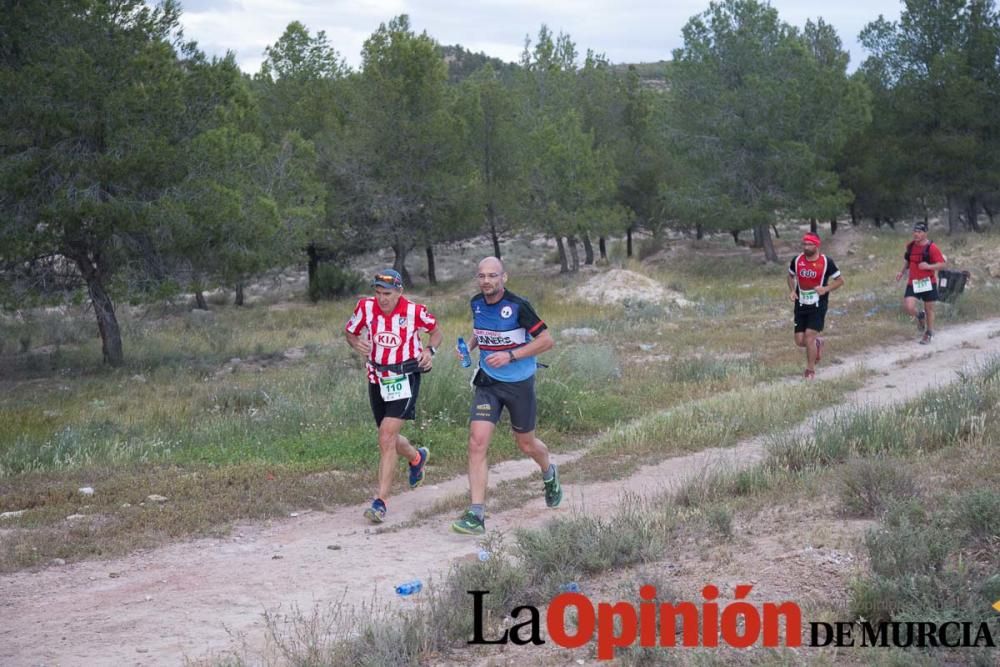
[464, 350]
[484, 555]
[571, 587]
[409, 587]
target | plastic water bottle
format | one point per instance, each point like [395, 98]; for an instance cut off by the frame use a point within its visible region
[409, 587]
[571, 587]
[464, 350]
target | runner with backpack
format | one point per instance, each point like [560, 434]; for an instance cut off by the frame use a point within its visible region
[923, 259]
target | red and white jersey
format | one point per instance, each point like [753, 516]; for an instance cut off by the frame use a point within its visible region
[811, 273]
[394, 336]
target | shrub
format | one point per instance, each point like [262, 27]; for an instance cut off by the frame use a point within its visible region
[869, 486]
[331, 281]
[977, 514]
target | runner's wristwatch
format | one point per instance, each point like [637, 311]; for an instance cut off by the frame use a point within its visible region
[432, 349]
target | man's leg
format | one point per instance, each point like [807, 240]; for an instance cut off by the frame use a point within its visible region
[929, 309]
[480, 434]
[533, 447]
[810, 337]
[391, 443]
[910, 306]
[800, 338]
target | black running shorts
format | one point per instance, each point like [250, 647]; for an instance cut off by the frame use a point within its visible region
[932, 295]
[404, 409]
[518, 397]
[810, 318]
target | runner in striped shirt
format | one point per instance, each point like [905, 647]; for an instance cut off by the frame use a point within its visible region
[385, 329]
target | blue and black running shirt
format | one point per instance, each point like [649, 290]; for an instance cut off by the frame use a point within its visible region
[508, 324]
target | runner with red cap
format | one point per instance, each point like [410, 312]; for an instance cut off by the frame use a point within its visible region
[811, 278]
[385, 330]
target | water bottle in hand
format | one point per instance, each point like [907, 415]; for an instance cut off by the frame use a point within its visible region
[464, 351]
[409, 587]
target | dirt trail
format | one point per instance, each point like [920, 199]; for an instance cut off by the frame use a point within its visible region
[176, 602]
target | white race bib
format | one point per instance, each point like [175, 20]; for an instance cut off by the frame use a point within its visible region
[922, 285]
[395, 388]
[808, 297]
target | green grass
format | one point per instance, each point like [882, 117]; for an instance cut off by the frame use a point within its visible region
[181, 405]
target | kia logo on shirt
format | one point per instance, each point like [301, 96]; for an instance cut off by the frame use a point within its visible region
[388, 339]
[807, 273]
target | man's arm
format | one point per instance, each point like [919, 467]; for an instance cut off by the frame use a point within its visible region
[426, 358]
[543, 342]
[791, 287]
[837, 283]
[360, 345]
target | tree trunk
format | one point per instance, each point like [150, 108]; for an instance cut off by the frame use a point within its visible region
[878, 222]
[628, 241]
[431, 270]
[776, 234]
[736, 235]
[239, 294]
[758, 241]
[588, 250]
[972, 214]
[813, 226]
[313, 262]
[764, 233]
[833, 226]
[104, 309]
[602, 246]
[952, 214]
[892, 223]
[699, 231]
[494, 236]
[563, 265]
[989, 213]
[854, 214]
[399, 251]
[574, 255]
[199, 298]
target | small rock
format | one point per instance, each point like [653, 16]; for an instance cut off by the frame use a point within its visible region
[12, 515]
[114, 575]
[647, 347]
[235, 361]
[582, 332]
[74, 517]
[277, 557]
[142, 650]
[334, 547]
[86, 490]
[871, 258]
[126, 505]
[141, 379]
[57, 561]
[155, 498]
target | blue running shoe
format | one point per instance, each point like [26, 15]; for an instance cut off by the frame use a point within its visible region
[417, 471]
[376, 513]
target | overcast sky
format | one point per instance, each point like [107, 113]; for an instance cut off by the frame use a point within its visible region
[624, 30]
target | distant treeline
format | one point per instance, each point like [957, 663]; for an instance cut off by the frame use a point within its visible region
[132, 164]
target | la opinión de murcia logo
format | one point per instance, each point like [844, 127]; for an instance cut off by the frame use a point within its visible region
[737, 624]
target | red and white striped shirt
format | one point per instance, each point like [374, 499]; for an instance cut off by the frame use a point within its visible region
[394, 337]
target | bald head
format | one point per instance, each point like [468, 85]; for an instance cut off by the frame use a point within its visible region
[491, 264]
[491, 278]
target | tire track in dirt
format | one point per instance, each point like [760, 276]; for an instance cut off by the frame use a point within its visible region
[182, 600]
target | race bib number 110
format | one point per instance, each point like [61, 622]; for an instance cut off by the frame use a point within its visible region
[395, 388]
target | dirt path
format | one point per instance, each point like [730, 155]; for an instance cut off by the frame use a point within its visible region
[158, 607]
